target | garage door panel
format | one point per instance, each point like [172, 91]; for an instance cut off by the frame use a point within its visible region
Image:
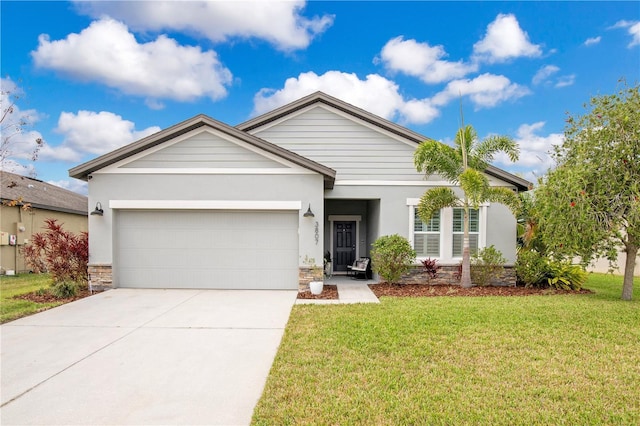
[207, 249]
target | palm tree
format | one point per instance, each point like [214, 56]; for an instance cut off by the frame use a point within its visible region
[464, 164]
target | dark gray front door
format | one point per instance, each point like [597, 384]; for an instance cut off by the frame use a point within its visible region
[344, 245]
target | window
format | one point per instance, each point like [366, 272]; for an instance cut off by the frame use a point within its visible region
[458, 230]
[426, 236]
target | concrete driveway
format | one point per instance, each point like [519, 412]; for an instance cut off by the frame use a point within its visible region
[143, 357]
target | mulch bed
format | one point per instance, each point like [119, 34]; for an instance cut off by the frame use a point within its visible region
[329, 292]
[423, 290]
[47, 297]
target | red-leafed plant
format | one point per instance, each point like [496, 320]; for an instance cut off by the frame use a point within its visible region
[431, 267]
[61, 253]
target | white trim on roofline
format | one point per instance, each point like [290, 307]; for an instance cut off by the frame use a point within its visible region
[207, 171]
[401, 183]
[205, 205]
[392, 183]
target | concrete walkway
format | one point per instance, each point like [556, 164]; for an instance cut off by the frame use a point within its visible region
[143, 357]
[349, 291]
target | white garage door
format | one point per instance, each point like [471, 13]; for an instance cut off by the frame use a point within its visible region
[207, 249]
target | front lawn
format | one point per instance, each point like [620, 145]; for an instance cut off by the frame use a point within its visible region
[553, 359]
[11, 286]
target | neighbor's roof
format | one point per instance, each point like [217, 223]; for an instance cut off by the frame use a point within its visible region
[320, 97]
[41, 195]
[84, 170]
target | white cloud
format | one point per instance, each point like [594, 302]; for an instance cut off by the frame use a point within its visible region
[633, 29]
[422, 60]
[504, 40]
[106, 52]
[375, 94]
[486, 90]
[74, 185]
[534, 150]
[544, 73]
[592, 40]
[544, 76]
[565, 80]
[278, 22]
[95, 133]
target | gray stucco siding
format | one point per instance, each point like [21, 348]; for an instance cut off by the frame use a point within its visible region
[306, 188]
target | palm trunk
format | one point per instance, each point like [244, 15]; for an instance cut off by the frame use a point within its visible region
[465, 280]
[629, 266]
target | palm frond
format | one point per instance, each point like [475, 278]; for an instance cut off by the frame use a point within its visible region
[434, 200]
[432, 157]
[486, 150]
[475, 186]
[504, 196]
[468, 135]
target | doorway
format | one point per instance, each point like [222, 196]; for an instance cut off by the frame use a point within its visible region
[344, 244]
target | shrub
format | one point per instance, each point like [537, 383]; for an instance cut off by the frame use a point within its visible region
[64, 289]
[392, 257]
[531, 268]
[63, 254]
[487, 264]
[565, 276]
[431, 267]
[536, 270]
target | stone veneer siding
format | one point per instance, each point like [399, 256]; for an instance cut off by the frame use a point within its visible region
[306, 275]
[447, 276]
[100, 277]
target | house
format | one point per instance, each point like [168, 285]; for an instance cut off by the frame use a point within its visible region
[42, 201]
[206, 205]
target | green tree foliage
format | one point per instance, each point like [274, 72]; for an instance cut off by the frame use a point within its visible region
[589, 205]
[392, 257]
[463, 164]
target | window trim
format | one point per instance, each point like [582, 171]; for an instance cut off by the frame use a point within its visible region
[439, 233]
[446, 231]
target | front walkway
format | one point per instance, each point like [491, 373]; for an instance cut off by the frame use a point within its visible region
[349, 291]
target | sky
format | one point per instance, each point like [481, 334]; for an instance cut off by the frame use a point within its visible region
[88, 77]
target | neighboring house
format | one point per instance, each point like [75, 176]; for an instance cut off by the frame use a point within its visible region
[206, 205]
[43, 201]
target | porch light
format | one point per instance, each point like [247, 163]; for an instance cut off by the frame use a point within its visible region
[98, 211]
[309, 213]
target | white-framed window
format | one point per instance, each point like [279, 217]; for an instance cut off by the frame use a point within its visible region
[458, 231]
[426, 236]
[442, 237]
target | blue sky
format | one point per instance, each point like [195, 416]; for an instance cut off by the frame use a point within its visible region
[93, 76]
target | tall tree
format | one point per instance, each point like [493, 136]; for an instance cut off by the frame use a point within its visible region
[14, 140]
[464, 164]
[590, 202]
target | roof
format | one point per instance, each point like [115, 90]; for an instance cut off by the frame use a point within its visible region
[41, 195]
[321, 97]
[84, 170]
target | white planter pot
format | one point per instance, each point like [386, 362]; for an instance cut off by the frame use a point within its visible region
[316, 287]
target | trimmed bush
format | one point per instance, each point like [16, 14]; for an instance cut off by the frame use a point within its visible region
[487, 264]
[392, 257]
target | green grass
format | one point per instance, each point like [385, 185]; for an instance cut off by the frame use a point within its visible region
[572, 359]
[11, 286]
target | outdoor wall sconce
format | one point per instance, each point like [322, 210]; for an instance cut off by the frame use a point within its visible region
[98, 211]
[309, 213]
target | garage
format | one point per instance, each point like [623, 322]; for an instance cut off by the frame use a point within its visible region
[209, 249]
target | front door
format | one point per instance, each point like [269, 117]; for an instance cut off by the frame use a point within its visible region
[344, 245]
